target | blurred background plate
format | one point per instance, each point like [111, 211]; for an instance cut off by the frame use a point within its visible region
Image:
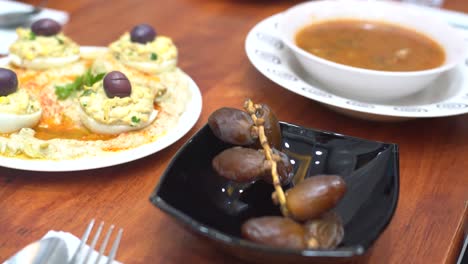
[447, 96]
[8, 35]
[192, 193]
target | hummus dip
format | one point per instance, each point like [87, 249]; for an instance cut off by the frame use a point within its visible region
[60, 135]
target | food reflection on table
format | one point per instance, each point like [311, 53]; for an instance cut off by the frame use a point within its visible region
[307, 221]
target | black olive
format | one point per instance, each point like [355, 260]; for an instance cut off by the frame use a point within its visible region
[8, 82]
[116, 84]
[142, 33]
[46, 27]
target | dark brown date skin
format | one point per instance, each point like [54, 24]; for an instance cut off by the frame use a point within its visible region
[245, 165]
[314, 196]
[328, 231]
[232, 126]
[283, 166]
[272, 126]
[240, 164]
[274, 231]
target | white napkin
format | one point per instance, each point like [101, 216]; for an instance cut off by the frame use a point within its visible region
[8, 36]
[73, 243]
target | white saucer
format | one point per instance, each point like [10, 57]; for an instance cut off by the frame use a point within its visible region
[447, 96]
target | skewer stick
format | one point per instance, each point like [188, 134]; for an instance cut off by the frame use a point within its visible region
[252, 108]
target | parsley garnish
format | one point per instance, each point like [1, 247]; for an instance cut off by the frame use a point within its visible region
[60, 41]
[135, 119]
[32, 36]
[87, 92]
[154, 56]
[64, 91]
[87, 79]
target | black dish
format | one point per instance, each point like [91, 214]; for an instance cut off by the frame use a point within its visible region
[192, 193]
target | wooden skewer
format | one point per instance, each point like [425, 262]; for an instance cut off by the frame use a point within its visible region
[252, 108]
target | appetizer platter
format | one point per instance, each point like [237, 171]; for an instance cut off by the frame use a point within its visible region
[64, 107]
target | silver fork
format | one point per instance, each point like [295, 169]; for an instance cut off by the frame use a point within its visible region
[78, 256]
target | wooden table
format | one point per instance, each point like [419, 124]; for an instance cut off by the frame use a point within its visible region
[210, 34]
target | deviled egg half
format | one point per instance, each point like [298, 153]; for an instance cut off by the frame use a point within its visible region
[144, 50]
[114, 106]
[17, 108]
[43, 46]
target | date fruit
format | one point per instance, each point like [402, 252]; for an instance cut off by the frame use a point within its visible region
[326, 232]
[283, 166]
[245, 165]
[272, 126]
[240, 164]
[314, 196]
[274, 231]
[232, 126]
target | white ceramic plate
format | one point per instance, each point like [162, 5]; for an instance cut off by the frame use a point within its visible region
[186, 122]
[447, 96]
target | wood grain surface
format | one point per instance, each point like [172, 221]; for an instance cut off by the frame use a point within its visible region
[210, 36]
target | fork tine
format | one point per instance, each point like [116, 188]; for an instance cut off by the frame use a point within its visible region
[77, 254]
[93, 243]
[104, 244]
[115, 247]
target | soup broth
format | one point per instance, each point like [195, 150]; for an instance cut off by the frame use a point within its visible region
[371, 45]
